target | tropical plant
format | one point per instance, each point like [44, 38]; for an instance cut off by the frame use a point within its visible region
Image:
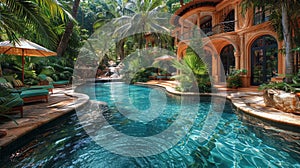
[5, 96]
[134, 63]
[112, 10]
[146, 20]
[19, 16]
[143, 74]
[277, 86]
[193, 72]
[234, 79]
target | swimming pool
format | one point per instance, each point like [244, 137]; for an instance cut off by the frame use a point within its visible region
[236, 141]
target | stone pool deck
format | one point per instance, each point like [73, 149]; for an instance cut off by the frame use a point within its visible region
[249, 100]
[61, 102]
[64, 100]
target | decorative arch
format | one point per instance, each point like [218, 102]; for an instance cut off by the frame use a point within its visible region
[259, 34]
[225, 40]
[221, 65]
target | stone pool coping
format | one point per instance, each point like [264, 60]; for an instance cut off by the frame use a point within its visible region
[61, 102]
[251, 103]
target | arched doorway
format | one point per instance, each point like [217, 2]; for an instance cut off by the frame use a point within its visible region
[264, 59]
[228, 61]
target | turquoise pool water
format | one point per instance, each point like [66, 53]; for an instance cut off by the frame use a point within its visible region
[236, 141]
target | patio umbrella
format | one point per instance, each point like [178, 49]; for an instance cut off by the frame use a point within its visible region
[24, 48]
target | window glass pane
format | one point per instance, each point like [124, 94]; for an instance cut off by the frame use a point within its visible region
[261, 14]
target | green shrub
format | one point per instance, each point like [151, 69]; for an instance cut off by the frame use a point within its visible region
[143, 74]
[234, 79]
[277, 85]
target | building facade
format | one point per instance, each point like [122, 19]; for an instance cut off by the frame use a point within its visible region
[236, 40]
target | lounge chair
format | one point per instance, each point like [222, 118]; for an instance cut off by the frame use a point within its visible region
[34, 95]
[10, 102]
[30, 94]
[59, 83]
[163, 76]
[20, 86]
[153, 76]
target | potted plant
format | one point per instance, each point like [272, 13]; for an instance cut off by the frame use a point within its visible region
[234, 78]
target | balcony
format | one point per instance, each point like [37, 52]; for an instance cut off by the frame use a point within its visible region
[223, 27]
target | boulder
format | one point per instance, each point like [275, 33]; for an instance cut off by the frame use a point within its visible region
[281, 100]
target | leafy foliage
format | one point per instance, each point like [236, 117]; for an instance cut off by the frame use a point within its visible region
[193, 73]
[234, 78]
[287, 87]
[17, 17]
[279, 86]
[143, 74]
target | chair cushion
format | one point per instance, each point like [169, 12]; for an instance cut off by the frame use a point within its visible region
[18, 83]
[2, 80]
[42, 87]
[62, 82]
[2, 100]
[49, 79]
[7, 85]
[42, 77]
[11, 79]
[34, 92]
[4, 91]
[14, 100]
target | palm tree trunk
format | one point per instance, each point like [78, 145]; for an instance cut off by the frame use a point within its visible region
[289, 60]
[68, 32]
[120, 49]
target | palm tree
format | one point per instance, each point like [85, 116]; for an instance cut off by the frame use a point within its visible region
[63, 44]
[145, 19]
[112, 10]
[128, 17]
[288, 12]
[17, 16]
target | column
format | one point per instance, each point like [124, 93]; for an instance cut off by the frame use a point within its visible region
[237, 59]
[215, 67]
[198, 20]
[236, 17]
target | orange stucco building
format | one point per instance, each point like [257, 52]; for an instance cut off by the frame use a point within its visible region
[237, 41]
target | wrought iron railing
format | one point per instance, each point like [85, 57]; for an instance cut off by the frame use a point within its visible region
[223, 27]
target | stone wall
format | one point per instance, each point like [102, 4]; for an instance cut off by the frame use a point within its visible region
[281, 100]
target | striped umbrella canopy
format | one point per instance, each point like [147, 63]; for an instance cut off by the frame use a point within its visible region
[24, 48]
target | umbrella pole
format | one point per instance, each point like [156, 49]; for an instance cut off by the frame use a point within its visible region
[23, 62]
